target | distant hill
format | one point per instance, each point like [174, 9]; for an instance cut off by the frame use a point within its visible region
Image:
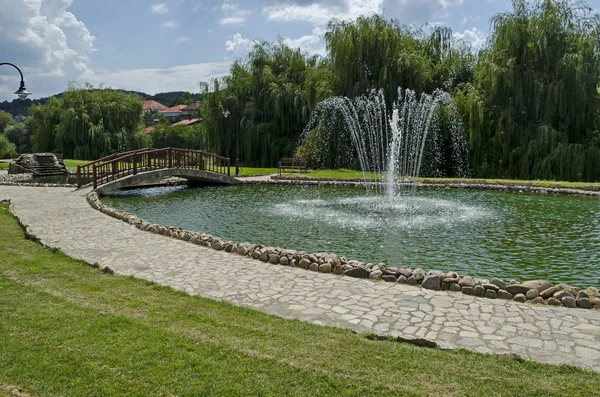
[17, 106]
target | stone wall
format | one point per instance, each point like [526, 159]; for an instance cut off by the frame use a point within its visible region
[533, 291]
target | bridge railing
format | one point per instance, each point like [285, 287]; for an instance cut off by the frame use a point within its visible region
[118, 166]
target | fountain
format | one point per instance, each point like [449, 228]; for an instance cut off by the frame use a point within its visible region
[404, 145]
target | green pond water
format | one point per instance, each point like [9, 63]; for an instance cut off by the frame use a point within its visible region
[481, 233]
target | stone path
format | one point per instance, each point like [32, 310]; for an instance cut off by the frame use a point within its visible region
[62, 218]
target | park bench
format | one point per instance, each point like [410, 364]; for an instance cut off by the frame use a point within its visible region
[292, 163]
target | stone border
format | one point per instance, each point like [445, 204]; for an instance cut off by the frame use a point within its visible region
[27, 180]
[537, 291]
[426, 184]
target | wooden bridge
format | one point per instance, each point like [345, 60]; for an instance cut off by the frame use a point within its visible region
[122, 169]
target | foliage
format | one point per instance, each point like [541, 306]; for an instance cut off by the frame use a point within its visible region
[181, 136]
[89, 124]
[5, 120]
[7, 148]
[533, 108]
[270, 96]
[20, 135]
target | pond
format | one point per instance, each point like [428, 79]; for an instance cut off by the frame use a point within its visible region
[480, 233]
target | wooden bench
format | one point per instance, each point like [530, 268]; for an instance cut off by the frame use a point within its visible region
[290, 163]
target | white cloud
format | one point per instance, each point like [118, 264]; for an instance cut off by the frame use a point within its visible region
[319, 13]
[45, 40]
[168, 25]
[238, 44]
[151, 81]
[160, 8]
[233, 15]
[182, 39]
[313, 43]
[473, 36]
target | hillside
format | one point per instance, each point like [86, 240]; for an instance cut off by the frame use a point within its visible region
[17, 106]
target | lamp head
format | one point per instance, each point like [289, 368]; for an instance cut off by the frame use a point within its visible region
[226, 113]
[22, 92]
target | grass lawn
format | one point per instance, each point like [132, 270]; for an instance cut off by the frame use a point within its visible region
[72, 164]
[3, 166]
[250, 171]
[357, 175]
[69, 329]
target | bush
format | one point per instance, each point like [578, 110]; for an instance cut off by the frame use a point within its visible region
[7, 148]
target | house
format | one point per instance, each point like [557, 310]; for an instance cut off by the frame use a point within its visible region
[173, 113]
[188, 122]
[20, 118]
[190, 111]
[150, 106]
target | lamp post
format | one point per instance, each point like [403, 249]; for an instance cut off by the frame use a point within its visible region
[226, 114]
[22, 92]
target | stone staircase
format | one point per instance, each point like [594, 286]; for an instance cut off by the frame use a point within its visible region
[48, 164]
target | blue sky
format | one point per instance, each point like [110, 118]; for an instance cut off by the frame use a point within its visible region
[170, 45]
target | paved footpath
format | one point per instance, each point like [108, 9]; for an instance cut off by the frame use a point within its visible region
[62, 218]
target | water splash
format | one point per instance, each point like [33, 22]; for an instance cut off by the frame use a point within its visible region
[413, 141]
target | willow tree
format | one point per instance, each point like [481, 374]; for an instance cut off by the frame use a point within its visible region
[270, 95]
[533, 110]
[89, 123]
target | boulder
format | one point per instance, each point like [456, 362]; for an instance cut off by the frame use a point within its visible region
[419, 274]
[532, 294]
[304, 263]
[411, 281]
[274, 258]
[539, 301]
[284, 261]
[504, 294]
[325, 268]
[553, 302]
[455, 287]
[402, 279]
[490, 293]
[519, 297]
[432, 281]
[314, 267]
[584, 303]
[549, 292]
[499, 283]
[491, 286]
[357, 272]
[569, 301]
[452, 275]
[563, 294]
[478, 290]
[467, 281]
[539, 285]
[389, 278]
[467, 290]
[517, 289]
[376, 275]
[405, 271]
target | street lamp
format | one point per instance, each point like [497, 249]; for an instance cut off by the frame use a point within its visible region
[22, 92]
[226, 114]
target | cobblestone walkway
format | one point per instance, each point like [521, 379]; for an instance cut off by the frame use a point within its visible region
[62, 218]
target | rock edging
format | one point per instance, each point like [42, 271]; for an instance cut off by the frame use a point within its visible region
[536, 291]
[27, 180]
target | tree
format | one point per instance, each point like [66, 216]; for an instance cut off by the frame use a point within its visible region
[533, 110]
[89, 123]
[20, 135]
[7, 148]
[5, 120]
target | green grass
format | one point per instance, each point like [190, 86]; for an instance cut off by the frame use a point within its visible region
[344, 174]
[72, 164]
[3, 166]
[69, 329]
[250, 171]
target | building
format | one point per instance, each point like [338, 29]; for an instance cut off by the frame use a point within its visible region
[190, 111]
[173, 113]
[150, 106]
[188, 122]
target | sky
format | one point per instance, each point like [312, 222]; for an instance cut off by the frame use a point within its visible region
[172, 45]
